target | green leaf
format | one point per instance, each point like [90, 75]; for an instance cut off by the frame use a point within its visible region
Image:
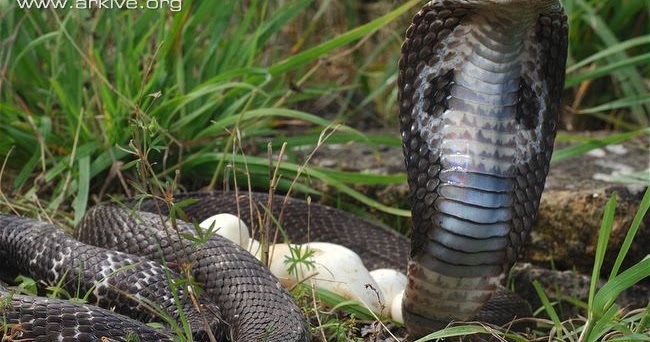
[606, 296]
[466, 330]
[593, 144]
[606, 70]
[27, 284]
[344, 304]
[610, 50]
[549, 308]
[605, 231]
[602, 325]
[629, 237]
[630, 337]
[617, 104]
[83, 189]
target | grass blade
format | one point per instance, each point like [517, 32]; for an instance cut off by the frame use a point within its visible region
[548, 307]
[617, 104]
[629, 237]
[606, 226]
[83, 189]
[606, 70]
[620, 47]
[592, 144]
[605, 297]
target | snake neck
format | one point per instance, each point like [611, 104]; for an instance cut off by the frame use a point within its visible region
[475, 116]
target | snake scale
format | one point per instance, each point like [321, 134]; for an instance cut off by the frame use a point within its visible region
[479, 89]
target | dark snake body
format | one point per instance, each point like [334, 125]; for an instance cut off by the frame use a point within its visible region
[479, 89]
[47, 319]
[128, 283]
[250, 302]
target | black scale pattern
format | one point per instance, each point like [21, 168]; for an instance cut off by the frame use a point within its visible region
[46, 319]
[431, 25]
[431, 41]
[552, 38]
[251, 299]
[125, 283]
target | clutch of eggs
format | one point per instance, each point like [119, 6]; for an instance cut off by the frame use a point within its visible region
[329, 266]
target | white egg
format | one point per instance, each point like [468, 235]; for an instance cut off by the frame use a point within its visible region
[390, 282]
[334, 268]
[278, 255]
[255, 247]
[396, 308]
[230, 227]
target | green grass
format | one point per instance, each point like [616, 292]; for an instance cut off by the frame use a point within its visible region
[77, 85]
[609, 45]
[86, 96]
[213, 79]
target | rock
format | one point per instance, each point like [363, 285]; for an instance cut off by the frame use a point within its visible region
[571, 208]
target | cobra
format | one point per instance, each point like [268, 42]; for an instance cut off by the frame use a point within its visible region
[479, 92]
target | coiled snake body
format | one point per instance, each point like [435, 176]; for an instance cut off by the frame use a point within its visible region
[479, 88]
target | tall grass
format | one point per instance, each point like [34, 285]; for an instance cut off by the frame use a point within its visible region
[76, 82]
[610, 44]
[73, 83]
